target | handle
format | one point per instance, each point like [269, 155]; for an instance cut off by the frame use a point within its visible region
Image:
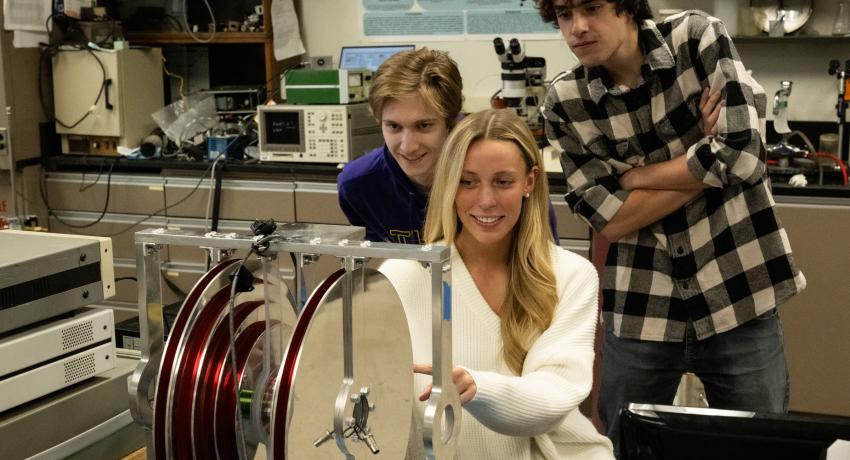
[106, 84]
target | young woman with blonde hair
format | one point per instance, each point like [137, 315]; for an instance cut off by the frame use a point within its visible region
[524, 310]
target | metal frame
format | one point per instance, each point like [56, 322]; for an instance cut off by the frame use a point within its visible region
[442, 411]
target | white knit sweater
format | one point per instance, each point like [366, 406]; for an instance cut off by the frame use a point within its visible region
[532, 416]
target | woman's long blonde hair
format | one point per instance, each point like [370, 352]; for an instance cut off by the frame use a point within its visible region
[530, 302]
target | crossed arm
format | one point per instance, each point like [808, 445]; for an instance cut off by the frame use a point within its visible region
[658, 189]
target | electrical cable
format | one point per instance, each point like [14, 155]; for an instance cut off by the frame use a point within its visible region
[50, 212]
[174, 75]
[84, 186]
[51, 51]
[210, 193]
[837, 161]
[189, 29]
[151, 215]
[232, 328]
[172, 286]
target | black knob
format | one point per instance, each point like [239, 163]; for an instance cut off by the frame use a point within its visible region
[833, 66]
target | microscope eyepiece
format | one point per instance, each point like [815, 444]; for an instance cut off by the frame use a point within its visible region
[499, 45]
[515, 47]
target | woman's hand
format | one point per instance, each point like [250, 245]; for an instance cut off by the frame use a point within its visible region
[709, 108]
[464, 382]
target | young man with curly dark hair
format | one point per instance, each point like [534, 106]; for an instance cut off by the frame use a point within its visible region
[661, 130]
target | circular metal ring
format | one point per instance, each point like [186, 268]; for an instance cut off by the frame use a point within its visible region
[313, 394]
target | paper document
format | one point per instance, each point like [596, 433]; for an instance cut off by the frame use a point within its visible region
[287, 34]
[29, 39]
[26, 14]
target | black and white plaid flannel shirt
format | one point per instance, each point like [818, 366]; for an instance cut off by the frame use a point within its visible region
[722, 259]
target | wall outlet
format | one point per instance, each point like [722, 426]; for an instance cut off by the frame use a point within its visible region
[321, 62]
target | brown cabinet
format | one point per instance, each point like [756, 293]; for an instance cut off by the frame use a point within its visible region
[816, 322]
[241, 199]
[318, 203]
[100, 191]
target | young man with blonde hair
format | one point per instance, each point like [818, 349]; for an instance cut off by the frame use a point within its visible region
[417, 97]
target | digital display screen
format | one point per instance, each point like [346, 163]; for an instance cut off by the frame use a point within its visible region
[283, 128]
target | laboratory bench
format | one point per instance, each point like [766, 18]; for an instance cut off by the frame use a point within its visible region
[817, 219]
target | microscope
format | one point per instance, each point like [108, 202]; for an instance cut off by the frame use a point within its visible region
[522, 83]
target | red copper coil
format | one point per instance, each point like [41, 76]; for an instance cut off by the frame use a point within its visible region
[210, 379]
[187, 372]
[226, 404]
[170, 350]
[285, 373]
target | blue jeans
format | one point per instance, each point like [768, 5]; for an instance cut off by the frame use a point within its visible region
[742, 369]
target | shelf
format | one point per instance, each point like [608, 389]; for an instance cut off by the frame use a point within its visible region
[787, 38]
[182, 38]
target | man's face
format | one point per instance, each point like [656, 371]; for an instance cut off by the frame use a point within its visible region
[592, 29]
[414, 133]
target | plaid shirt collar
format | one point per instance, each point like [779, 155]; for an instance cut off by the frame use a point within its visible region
[653, 46]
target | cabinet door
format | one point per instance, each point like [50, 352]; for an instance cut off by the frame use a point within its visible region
[318, 203]
[816, 322]
[569, 226]
[240, 199]
[87, 192]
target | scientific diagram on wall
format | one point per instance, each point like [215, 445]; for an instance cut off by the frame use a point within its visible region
[449, 19]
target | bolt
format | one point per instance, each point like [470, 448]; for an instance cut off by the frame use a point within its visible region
[82, 257]
[323, 438]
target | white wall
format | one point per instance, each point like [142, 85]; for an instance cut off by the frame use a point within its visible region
[327, 25]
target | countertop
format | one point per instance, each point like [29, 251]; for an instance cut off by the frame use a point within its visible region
[328, 172]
